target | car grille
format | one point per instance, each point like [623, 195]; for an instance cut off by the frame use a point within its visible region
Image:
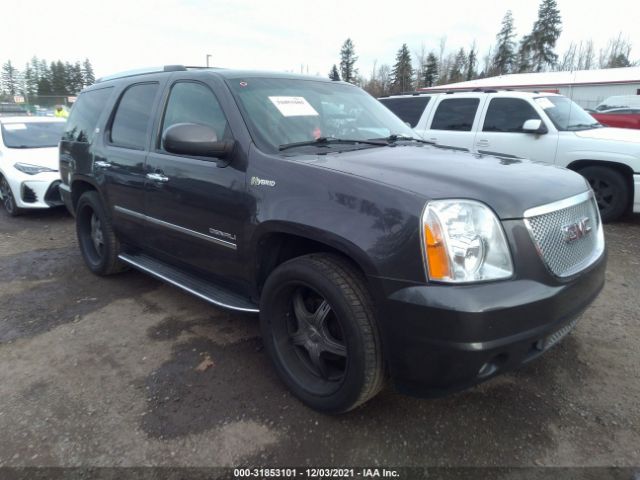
[559, 231]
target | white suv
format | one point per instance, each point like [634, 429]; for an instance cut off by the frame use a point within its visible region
[539, 126]
[29, 175]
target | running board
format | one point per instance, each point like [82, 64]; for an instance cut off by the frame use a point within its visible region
[211, 293]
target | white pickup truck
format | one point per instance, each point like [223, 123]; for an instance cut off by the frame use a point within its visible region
[538, 126]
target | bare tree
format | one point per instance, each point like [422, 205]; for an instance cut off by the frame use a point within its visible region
[421, 61]
[616, 54]
[568, 60]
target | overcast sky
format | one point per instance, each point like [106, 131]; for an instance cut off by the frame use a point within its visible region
[280, 34]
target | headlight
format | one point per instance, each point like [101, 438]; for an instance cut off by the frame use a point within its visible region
[32, 169]
[464, 242]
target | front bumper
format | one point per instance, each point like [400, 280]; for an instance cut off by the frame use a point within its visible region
[444, 338]
[35, 191]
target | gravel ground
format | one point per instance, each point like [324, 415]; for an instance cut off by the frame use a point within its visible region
[127, 371]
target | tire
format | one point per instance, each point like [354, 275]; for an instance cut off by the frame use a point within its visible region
[611, 190]
[8, 199]
[98, 243]
[319, 329]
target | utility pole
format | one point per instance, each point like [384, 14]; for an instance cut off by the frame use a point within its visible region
[208, 57]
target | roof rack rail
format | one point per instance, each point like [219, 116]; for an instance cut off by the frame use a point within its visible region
[143, 71]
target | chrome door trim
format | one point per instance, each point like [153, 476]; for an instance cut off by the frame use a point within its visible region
[176, 228]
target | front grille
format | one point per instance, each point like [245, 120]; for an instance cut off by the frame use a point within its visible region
[28, 195]
[559, 231]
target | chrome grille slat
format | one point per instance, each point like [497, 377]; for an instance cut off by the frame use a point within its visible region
[561, 257]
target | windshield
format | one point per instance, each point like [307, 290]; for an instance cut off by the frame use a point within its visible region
[566, 114]
[32, 134]
[280, 112]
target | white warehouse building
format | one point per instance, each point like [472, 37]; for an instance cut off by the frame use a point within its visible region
[586, 87]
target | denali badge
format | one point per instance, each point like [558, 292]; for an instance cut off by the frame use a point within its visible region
[262, 181]
[577, 230]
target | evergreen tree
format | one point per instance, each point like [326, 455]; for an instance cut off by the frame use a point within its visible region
[44, 78]
[458, 67]
[29, 82]
[504, 60]
[75, 78]
[472, 60]
[430, 71]
[523, 61]
[334, 74]
[10, 79]
[88, 77]
[348, 58]
[402, 74]
[58, 78]
[545, 33]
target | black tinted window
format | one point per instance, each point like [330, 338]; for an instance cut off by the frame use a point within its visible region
[191, 102]
[408, 109]
[508, 115]
[84, 115]
[131, 122]
[455, 114]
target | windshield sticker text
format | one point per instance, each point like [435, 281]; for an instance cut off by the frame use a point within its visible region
[294, 106]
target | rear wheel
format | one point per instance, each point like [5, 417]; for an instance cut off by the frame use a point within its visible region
[8, 200]
[319, 328]
[98, 243]
[611, 191]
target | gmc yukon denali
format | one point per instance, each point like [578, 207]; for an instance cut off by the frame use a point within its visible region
[369, 255]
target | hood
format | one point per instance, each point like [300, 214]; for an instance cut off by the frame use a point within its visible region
[42, 157]
[614, 134]
[508, 186]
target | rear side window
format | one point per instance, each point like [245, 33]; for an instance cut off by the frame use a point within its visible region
[455, 114]
[508, 115]
[84, 116]
[191, 102]
[409, 109]
[132, 119]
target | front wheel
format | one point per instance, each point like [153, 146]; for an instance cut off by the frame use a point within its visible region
[318, 325]
[8, 200]
[98, 243]
[610, 189]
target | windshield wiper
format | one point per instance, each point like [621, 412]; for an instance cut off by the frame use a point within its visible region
[394, 137]
[324, 141]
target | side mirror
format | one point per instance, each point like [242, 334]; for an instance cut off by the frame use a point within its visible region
[534, 126]
[196, 140]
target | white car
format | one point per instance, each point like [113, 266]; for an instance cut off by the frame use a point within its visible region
[542, 127]
[29, 175]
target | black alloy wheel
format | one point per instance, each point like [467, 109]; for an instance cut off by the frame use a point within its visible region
[319, 328]
[610, 189]
[98, 243]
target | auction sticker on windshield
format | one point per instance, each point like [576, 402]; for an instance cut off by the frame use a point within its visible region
[293, 106]
[14, 126]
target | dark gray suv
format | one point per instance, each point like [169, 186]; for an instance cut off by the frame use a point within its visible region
[369, 254]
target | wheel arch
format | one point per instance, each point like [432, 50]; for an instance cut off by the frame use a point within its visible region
[78, 187]
[280, 242]
[625, 170]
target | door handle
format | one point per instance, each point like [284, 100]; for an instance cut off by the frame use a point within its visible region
[157, 177]
[102, 164]
[482, 143]
[433, 140]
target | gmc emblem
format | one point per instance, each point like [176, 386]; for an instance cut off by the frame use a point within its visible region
[577, 230]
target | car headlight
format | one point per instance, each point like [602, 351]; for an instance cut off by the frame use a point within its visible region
[32, 169]
[463, 241]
